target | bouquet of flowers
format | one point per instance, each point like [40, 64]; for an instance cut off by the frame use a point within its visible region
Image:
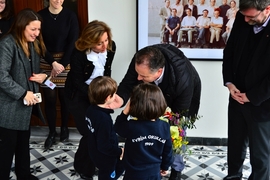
[178, 126]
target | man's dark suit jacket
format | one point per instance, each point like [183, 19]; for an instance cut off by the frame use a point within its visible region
[193, 13]
[257, 78]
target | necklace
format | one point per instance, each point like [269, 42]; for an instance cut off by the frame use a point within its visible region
[54, 16]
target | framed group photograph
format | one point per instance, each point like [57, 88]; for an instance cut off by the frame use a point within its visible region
[149, 28]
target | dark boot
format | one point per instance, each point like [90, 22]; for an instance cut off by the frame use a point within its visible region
[50, 140]
[64, 135]
[175, 175]
[30, 177]
[232, 178]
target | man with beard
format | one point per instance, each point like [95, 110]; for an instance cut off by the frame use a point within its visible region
[246, 75]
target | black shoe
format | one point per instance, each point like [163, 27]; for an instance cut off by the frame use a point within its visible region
[50, 140]
[190, 45]
[30, 177]
[178, 45]
[175, 175]
[83, 176]
[64, 134]
[232, 178]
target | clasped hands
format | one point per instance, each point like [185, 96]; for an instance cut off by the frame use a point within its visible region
[57, 69]
[171, 31]
[237, 95]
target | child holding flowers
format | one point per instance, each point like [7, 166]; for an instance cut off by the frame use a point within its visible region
[148, 146]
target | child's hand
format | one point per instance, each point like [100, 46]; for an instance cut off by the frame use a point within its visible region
[163, 172]
[126, 110]
[121, 156]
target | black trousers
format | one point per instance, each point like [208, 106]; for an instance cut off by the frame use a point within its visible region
[244, 131]
[14, 142]
[77, 107]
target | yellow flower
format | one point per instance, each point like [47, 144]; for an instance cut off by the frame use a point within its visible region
[174, 132]
[177, 143]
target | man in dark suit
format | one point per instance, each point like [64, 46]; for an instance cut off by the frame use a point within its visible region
[193, 7]
[246, 73]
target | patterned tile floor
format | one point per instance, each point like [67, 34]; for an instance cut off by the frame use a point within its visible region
[205, 163]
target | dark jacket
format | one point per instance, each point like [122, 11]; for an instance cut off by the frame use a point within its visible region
[102, 139]
[15, 71]
[181, 84]
[256, 76]
[148, 146]
[59, 34]
[81, 69]
[194, 12]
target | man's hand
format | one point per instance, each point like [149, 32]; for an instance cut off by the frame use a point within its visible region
[243, 96]
[117, 103]
[236, 94]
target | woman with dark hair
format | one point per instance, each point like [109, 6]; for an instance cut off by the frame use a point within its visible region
[60, 31]
[92, 57]
[6, 16]
[148, 146]
[20, 77]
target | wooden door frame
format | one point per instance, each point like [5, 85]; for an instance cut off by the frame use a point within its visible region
[38, 5]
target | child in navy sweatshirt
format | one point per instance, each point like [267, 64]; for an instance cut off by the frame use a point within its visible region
[148, 147]
[103, 141]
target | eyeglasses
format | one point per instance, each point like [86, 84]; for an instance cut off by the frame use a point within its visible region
[2, 2]
[252, 17]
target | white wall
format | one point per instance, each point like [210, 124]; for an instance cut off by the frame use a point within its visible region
[120, 15]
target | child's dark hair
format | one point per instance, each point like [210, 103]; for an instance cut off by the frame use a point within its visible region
[100, 88]
[147, 102]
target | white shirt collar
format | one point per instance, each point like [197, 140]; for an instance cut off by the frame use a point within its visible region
[159, 80]
[93, 56]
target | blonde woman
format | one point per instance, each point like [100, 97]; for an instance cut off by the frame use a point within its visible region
[92, 57]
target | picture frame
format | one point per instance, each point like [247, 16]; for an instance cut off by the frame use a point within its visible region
[148, 29]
